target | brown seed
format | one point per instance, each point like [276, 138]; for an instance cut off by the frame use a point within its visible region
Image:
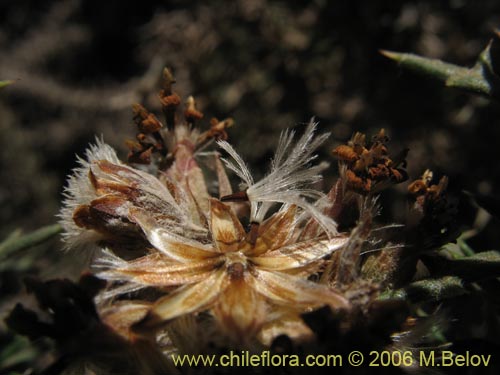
[240, 196]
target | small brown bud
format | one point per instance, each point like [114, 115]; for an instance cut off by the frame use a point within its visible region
[140, 157]
[191, 113]
[168, 80]
[217, 131]
[379, 172]
[345, 153]
[380, 137]
[436, 190]
[358, 184]
[133, 145]
[364, 161]
[171, 101]
[146, 121]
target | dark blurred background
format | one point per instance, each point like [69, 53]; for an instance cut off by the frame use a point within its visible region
[79, 65]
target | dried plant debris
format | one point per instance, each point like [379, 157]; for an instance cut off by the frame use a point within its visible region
[186, 264]
[83, 341]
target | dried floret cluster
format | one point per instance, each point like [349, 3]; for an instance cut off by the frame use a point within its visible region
[369, 169]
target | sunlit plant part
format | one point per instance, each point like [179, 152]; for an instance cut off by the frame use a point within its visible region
[160, 228]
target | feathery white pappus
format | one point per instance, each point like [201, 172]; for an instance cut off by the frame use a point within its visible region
[290, 177]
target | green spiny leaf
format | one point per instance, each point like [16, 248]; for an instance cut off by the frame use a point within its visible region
[428, 290]
[481, 78]
[480, 266]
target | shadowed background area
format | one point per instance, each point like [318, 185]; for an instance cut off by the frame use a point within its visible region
[79, 65]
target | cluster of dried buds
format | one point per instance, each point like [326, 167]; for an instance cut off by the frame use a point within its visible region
[370, 169]
[150, 139]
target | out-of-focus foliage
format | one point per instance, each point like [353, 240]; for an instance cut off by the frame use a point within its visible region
[4, 84]
[17, 242]
[16, 351]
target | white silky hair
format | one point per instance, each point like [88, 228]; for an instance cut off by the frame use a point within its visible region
[79, 190]
[289, 178]
[105, 266]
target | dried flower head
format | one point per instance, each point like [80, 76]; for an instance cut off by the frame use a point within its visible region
[161, 230]
[246, 285]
